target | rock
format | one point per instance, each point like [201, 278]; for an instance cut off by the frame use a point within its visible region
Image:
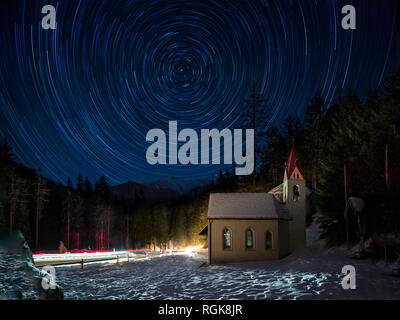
[19, 277]
[62, 248]
[49, 294]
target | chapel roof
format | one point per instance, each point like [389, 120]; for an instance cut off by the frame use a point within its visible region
[246, 206]
[293, 163]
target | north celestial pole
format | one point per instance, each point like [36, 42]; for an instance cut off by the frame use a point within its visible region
[81, 98]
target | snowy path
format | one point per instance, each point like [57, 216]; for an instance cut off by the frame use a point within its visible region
[306, 275]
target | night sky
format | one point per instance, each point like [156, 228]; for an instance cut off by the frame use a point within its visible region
[82, 98]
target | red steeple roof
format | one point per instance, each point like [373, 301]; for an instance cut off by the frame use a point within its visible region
[293, 163]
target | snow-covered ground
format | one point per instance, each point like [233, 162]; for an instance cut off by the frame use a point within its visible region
[16, 281]
[19, 277]
[313, 273]
[310, 274]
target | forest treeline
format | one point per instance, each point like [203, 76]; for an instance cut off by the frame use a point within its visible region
[89, 216]
[348, 148]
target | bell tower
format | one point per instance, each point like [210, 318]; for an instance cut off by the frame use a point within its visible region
[294, 196]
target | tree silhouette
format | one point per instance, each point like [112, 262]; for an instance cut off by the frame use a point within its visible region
[41, 195]
[18, 195]
[6, 153]
[256, 117]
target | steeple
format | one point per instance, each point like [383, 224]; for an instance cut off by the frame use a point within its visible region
[294, 196]
[293, 168]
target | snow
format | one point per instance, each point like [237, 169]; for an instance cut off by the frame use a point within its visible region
[314, 232]
[308, 274]
[311, 273]
[18, 274]
[357, 204]
[65, 258]
[15, 280]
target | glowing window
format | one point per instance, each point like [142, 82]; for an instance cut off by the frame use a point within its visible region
[227, 238]
[249, 239]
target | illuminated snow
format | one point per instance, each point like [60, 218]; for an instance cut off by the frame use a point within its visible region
[178, 276]
[313, 273]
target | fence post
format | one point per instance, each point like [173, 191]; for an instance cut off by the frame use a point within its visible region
[81, 263]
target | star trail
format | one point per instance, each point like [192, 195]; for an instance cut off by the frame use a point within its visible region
[81, 98]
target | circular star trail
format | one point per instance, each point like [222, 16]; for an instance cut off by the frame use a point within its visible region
[81, 98]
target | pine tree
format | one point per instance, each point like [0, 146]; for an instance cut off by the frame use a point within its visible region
[314, 116]
[256, 117]
[103, 213]
[40, 198]
[88, 189]
[17, 196]
[6, 153]
[68, 208]
[72, 207]
[273, 160]
[79, 183]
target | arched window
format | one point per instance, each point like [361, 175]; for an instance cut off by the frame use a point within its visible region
[227, 238]
[249, 239]
[268, 240]
[296, 192]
